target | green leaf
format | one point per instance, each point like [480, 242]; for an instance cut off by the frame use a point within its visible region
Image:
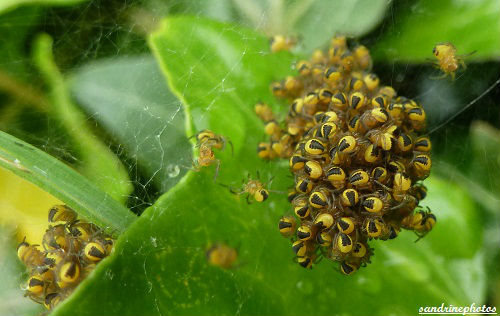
[159, 264]
[483, 183]
[15, 71]
[140, 112]
[98, 163]
[486, 158]
[7, 5]
[15, 26]
[467, 156]
[64, 183]
[313, 21]
[470, 25]
[317, 21]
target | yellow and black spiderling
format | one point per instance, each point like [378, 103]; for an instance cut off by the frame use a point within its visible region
[421, 222]
[421, 165]
[318, 199]
[315, 147]
[313, 169]
[287, 226]
[301, 208]
[56, 237]
[36, 284]
[345, 225]
[206, 157]
[348, 268]
[30, 255]
[299, 248]
[51, 300]
[339, 100]
[358, 153]
[264, 112]
[303, 185]
[69, 251]
[61, 213]
[336, 176]
[379, 174]
[422, 144]
[303, 67]
[349, 197]
[324, 239]
[53, 258]
[374, 227]
[69, 272]
[305, 262]
[253, 188]
[359, 178]
[373, 204]
[447, 59]
[279, 43]
[324, 221]
[359, 250]
[347, 144]
[208, 138]
[94, 252]
[344, 243]
[297, 162]
[304, 232]
[222, 256]
[206, 141]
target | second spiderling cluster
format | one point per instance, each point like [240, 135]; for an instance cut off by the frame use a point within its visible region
[358, 153]
[69, 252]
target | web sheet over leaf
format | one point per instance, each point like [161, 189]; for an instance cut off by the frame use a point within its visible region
[140, 112]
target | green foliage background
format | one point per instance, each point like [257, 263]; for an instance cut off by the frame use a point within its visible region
[98, 99]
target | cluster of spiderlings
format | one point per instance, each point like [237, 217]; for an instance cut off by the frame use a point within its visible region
[358, 153]
[69, 252]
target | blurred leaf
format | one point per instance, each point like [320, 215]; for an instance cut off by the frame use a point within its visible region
[15, 72]
[128, 96]
[471, 25]
[12, 302]
[14, 27]
[313, 21]
[479, 175]
[479, 164]
[28, 215]
[317, 21]
[486, 157]
[63, 183]
[484, 185]
[98, 163]
[220, 10]
[6, 5]
[219, 71]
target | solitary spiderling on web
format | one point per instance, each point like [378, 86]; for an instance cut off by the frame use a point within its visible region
[448, 60]
[280, 42]
[358, 153]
